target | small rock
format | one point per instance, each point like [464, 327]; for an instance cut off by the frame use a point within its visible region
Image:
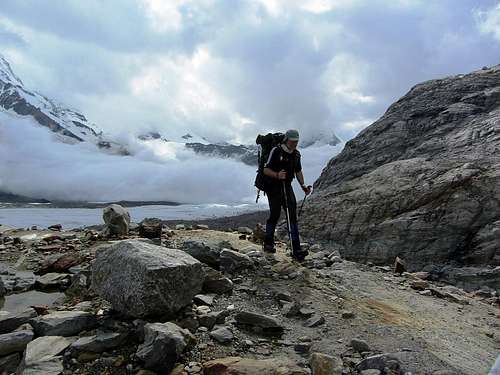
[348, 315]
[150, 228]
[222, 335]
[322, 364]
[290, 309]
[360, 345]
[419, 284]
[371, 372]
[258, 320]
[302, 347]
[314, 321]
[399, 265]
[163, 344]
[203, 299]
[231, 261]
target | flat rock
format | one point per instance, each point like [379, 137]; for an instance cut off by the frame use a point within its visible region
[10, 321]
[314, 321]
[247, 366]
[258, 320]
[63, 323]
[100, 342]
[52, 281]
[124, 272]
[42, 356]
[14, 341]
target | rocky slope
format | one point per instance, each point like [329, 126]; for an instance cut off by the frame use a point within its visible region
[243, 312]
[421, 183]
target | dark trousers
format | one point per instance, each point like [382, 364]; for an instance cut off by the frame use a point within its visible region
[277, 201]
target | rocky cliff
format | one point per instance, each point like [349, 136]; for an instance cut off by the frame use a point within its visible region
[422, 182]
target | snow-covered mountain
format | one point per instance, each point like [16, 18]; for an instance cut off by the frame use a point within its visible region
[69, 125]
[72, 127]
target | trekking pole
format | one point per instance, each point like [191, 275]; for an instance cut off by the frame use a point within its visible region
[303, 201]
[289, 227]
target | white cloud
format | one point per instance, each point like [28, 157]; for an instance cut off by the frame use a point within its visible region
[489, 21]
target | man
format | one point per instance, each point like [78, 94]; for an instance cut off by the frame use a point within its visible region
[282, 166]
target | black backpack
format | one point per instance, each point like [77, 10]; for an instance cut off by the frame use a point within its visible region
[266, 144]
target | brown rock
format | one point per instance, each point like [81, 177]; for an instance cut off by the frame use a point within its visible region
[322, 364]
[399, 265]
[247, 366]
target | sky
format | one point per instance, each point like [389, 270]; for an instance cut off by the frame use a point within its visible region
[229, 69]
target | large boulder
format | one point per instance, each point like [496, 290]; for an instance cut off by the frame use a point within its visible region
[117, 220]
[140, 279]
[421, 183]
[163, 345]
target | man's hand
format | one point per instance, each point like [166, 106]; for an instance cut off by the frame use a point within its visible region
[306, 189]
[282, 175]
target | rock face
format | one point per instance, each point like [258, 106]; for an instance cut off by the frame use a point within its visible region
[125, 273]
[422, 182]
[117, 220]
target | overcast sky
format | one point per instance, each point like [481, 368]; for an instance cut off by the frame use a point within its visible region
[228, 69]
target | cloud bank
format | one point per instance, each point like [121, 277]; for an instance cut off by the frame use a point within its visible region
[227, 70]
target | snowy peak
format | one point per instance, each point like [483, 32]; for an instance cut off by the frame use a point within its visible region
[69, 125]
[6, 73]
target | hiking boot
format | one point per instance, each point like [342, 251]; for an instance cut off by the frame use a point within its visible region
[269, 248]
[300, 255]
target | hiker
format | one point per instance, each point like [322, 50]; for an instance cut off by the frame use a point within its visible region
[282, 166]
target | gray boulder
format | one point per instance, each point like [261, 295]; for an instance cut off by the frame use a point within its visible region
[125, 272]
[117, 220]
[15, 341]
[203, 251]
[163, 344]
[63, 323]
[421, 183]
[231, 261]
[42, 356]
[10, 321]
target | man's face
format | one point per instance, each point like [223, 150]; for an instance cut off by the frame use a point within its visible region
[292, 145]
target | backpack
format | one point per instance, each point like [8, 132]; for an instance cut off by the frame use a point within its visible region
[266, 144]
